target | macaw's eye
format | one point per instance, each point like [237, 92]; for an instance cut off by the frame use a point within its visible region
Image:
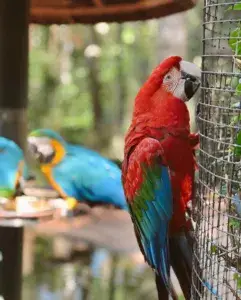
[167, 78]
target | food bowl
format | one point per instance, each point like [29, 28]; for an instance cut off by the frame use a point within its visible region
[30, 204]
[25, 207]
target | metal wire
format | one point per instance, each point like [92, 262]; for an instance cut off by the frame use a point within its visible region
[217, 211]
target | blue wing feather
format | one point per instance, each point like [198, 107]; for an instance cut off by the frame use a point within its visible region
[156, 212]
[10, 157]
[86, 175]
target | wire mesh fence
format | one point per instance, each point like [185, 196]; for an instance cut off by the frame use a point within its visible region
[217, 253]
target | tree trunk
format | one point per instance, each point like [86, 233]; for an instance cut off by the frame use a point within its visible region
[121, 82]
[112, 286]
[94, 83]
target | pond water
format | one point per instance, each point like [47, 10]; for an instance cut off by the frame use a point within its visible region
[89, 275]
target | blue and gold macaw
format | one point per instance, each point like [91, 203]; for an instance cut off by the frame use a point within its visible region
[11, 165]
[75, 172]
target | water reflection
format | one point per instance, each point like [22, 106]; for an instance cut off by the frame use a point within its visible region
[89, 275]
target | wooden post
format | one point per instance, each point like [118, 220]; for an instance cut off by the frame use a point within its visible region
[14, 20]
[13, 103]
[11, 245]
[28, 251]
[62, 248]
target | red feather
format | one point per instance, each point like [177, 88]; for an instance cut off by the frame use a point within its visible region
[144, 152]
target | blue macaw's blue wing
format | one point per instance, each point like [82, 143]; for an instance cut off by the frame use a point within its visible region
[10, 157]
[82, 151]
[86, 175]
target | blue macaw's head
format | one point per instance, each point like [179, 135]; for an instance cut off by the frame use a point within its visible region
[46, 146]
[10, 157]
[48, 133]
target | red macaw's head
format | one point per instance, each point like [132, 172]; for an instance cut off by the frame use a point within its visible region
[161, 100]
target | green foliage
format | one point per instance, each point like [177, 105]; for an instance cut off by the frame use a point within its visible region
[214, 249]
[237, 278]
[71, 91]
[235, 7]
[235, 44]
[6, 193]
[237, 148]
[235, 119]
[234, 223]
[238, 90]
[235, 41]
[234, 82]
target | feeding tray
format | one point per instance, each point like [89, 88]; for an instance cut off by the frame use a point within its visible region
[25, 207]
[94, 11]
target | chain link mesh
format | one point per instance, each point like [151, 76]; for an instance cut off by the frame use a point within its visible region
[217, 213]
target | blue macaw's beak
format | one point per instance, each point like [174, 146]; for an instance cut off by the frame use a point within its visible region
[35, 152]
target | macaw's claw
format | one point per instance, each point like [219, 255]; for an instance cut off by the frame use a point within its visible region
[71, 203]
[194, 140]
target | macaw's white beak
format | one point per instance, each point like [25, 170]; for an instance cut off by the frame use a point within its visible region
[191, 73]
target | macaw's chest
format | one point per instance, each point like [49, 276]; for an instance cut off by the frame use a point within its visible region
[178, 155]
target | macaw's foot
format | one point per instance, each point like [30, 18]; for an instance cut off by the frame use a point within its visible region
[71, 203]
[81, 209]
[194, 140]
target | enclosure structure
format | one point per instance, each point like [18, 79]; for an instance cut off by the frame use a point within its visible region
[217, 253]
[15, 17]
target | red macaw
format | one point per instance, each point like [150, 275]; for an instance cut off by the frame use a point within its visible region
[159, 165]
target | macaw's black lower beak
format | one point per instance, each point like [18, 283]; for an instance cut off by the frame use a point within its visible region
[191, 86]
